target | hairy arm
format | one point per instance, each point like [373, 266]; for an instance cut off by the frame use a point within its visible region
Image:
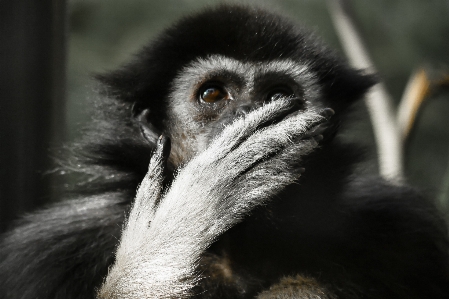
[166, 234]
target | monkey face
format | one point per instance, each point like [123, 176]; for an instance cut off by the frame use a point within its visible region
[195, 79]
[210, 93]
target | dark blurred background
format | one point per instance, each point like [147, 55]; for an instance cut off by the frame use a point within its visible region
[49, 51]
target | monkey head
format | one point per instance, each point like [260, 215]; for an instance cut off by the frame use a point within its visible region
[202, 73]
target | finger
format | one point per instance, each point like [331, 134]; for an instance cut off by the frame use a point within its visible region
[246, 125]
[267, 178]
[150, 190]
[270, 140]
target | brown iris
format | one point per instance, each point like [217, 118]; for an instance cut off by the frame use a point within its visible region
[213, 94]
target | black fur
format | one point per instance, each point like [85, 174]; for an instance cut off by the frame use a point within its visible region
[355, 238]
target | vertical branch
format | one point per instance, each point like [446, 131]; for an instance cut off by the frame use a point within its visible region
[416, 91]
[378, 102]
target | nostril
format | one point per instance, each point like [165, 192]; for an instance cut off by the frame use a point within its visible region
[243, 110]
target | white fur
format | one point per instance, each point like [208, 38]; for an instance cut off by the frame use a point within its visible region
[191, 77]
[161, 246]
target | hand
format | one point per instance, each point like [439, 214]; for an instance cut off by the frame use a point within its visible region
[249, 162]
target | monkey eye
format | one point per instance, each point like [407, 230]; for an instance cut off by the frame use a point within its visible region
[280, 92]
[213, 94]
